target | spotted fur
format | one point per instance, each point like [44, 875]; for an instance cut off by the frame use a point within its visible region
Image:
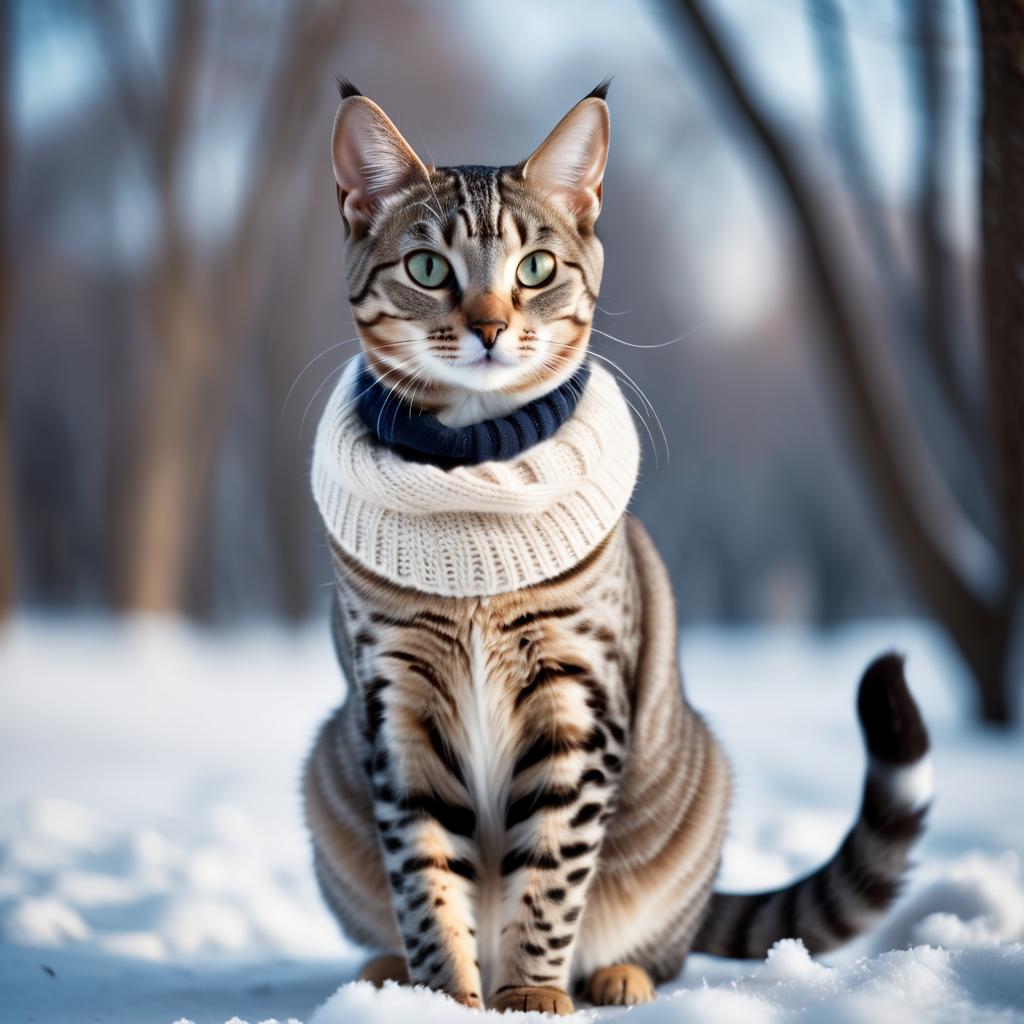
[516, 797]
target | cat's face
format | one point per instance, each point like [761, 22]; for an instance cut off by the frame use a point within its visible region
[472, 288]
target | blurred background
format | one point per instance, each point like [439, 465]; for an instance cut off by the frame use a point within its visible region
[812, 291]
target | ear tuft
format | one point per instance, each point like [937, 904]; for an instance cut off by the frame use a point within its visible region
[568, 166]
[346, 89]
[600, 91]
[371, 160]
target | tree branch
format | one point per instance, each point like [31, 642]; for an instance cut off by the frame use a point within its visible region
[929, 527]
[298, 76]
[929, 323]
[830, 39]
[183, 66]
[135, 87]
[941, 306]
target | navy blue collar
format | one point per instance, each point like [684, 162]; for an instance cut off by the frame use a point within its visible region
[422, 437]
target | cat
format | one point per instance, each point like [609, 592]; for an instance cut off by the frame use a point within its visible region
[516, 801]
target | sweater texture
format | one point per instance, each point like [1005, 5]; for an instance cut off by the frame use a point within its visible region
[483, 529]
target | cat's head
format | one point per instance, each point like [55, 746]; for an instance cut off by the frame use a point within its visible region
[472, 288]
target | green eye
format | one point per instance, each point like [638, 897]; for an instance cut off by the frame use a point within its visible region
[428, 269]
[536, 269]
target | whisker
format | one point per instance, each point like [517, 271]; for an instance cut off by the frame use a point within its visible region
[437, 214]
[401, 391]
[387, 398]
[355, 398]
[434, 214]
[663, 344]
[638, 412]
[421, 374]
[348, 341]
[643, 397]
[433, 162]
[643, 419]
[326, 381]
[319, 355]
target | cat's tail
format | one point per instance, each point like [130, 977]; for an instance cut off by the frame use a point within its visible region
[848, 894]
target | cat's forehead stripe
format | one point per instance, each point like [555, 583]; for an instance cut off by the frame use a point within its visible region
[480, 198]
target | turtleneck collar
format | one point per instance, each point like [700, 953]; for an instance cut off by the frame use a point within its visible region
[422, 437]
[468, 531]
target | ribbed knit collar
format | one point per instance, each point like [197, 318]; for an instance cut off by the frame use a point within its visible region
[470, 531]
[422, 437]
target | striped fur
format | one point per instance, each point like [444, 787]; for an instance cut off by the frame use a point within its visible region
[515, 798]
[848, 894]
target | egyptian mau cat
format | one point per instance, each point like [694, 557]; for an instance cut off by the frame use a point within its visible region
[516, 801]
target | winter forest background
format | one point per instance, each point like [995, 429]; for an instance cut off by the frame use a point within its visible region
[795, 198]
[814, 298]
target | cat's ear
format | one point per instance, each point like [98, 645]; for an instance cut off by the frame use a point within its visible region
[371, 159]
[568, 166]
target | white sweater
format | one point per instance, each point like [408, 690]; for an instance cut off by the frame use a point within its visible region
[476, 530]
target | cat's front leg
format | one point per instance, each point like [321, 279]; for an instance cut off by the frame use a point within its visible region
[426, 834]
[431, 890]
[555, 822]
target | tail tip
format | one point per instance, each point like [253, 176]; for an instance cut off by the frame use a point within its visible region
[894, 730]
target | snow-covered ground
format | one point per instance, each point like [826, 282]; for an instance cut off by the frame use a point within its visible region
[153, 866]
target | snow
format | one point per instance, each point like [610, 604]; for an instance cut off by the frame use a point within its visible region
[154, 869]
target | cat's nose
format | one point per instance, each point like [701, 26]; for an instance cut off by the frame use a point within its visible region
[487, 331]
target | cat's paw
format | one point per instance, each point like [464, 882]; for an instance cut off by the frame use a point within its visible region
[470, 999]
[385, 968]
[620, 985]
[528, 997]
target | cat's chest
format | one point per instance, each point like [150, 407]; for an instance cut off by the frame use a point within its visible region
[506, 673]
[489, 731]
[476, 685]
[490, 676]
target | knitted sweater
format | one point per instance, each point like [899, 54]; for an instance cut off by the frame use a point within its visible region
[483, 529]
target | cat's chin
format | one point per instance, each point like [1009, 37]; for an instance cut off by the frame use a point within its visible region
[483, 376]
[469, 406]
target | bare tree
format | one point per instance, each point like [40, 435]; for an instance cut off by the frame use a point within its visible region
[200, 304]
[973, 588]
[6, 295]
[1001, 27]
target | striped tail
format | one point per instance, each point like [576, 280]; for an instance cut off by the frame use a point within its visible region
[848, 894]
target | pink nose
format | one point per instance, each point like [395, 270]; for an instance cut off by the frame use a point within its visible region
[487, 331]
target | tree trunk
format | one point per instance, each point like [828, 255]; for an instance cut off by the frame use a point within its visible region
[1002, 262]
[6, 295]
[985, 643]
[1001, 32]
[929, 528]
[162, 511]
[165, 493]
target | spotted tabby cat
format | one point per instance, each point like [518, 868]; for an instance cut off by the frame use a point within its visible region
[516, 800]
